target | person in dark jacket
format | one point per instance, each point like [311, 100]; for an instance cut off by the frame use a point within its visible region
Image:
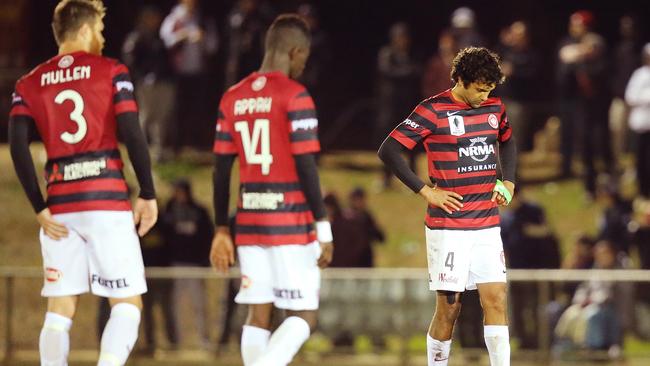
[188, 231]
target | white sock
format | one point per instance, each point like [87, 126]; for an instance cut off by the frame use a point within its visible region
[54, 342]
[437, 351]
[285, 342]
[253, 343]
[119, 335]
[497, 340]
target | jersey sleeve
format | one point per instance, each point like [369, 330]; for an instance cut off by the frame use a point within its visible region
[415, 128]
[19, 106]
[223, 142]
[123, 97]
[303, 124]
[505, 130]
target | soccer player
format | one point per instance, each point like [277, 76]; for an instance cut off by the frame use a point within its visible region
[269, 121]
[79, 102]
[464, 132]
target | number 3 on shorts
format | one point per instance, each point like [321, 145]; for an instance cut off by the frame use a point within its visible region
[449, 262]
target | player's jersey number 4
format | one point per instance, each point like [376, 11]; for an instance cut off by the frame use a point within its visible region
[258, 139]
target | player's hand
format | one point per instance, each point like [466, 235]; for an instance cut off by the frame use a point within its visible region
[52, 228]
[222, 253]
[145, 214]
[326, 254]
[498, 197]
[448, 201]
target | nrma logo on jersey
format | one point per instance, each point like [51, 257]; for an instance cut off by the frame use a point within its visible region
[473, 150]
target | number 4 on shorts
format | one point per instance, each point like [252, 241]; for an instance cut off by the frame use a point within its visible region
[449, 262]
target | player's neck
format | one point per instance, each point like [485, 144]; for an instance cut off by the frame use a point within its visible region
[73, 46]
[457, 94]
[272, 63]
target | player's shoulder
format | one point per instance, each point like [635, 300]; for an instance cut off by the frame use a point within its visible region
[439, 102]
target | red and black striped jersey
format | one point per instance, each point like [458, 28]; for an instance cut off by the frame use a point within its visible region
[73, 100]
[265, 120]
[461, 146]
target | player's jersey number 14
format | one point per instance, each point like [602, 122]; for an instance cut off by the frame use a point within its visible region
[76, 115]
[260, 140]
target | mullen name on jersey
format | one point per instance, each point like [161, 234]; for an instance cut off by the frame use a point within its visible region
[65, 76]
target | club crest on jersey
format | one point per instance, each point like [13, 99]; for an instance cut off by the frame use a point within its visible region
[456, 125]
[493, 121]
[66, 61]
[259, 83]
[52, 274]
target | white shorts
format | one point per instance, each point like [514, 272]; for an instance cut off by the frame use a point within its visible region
[285, 275]
[101, 254]
[460, 259]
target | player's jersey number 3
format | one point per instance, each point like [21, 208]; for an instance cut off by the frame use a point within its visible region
[260, 140]
[76, 115]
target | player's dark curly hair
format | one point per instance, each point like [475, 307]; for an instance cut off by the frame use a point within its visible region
[477, 64]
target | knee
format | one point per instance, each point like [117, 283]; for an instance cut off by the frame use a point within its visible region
[65, 306]
[494, 302]
[134, 300]
[310, 316]
[259, 317]
[449, 312]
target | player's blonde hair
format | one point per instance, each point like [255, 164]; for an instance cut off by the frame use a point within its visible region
[70, 15]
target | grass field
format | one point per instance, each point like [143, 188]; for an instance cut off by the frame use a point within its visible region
[398, 210]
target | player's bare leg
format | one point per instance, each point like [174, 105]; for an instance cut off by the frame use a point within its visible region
[256, 333]
[497, 339]
[442, 326]
[288, 338]
[121, 330]
[54, 341]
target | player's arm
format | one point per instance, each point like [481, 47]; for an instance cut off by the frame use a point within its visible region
[222, 252]
[303, 134]
[508, 159]
[21, 125]
[310, 183]
[409, 134]
[130, 133]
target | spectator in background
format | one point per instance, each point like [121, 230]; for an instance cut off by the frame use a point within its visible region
[360, 214]
[156, 254]
[346, 232]
[463, 28]
[615, 218]
[626, 60]
[529, 243]
[188, 231]
[595, 97]
[191, 39]
[641, 236]
[317, 74]
[637, 96]
[521, 64]
[146, 56]
[247, 23]
[601, 309]
[397, 86]
[437, 73]
[569, 56]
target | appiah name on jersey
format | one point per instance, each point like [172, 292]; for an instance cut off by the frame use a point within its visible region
[253, 105]
[64, 76]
